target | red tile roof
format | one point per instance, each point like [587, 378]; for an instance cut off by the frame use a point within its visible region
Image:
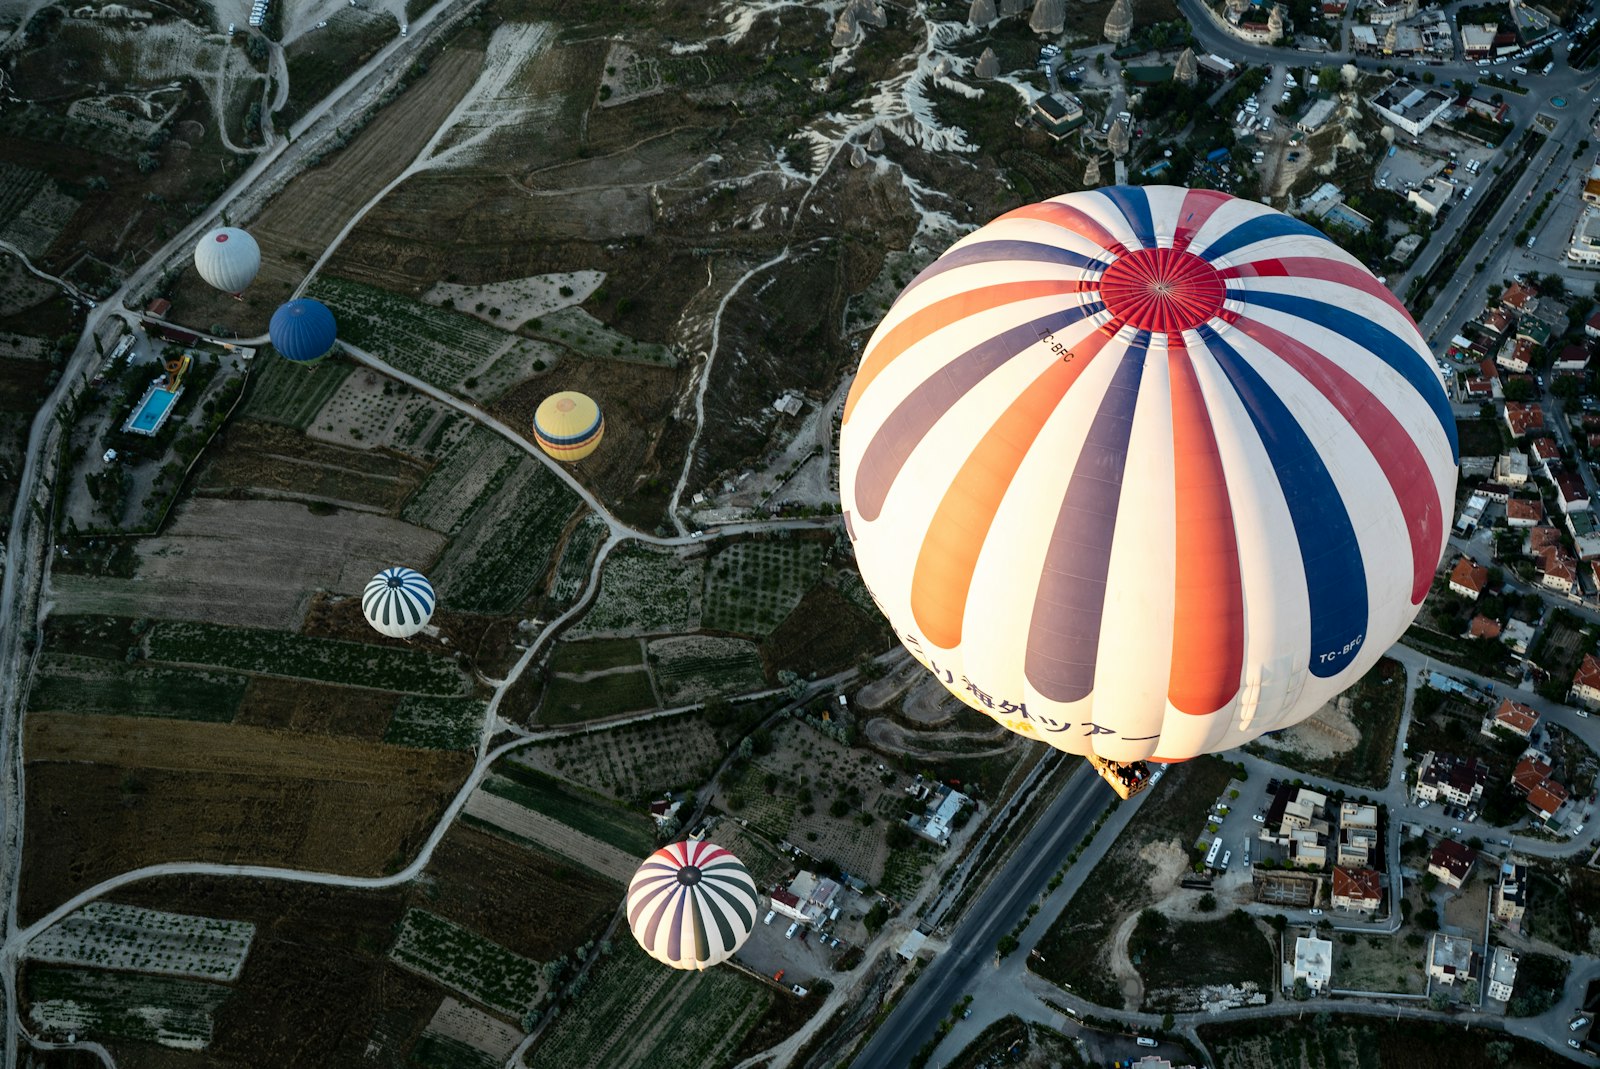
[1571, 486]
[1573, 354]
[1517, 295]
[1519, 509]
[1470, 575]
[1496, 321]
[1588, 674]
[1484, 627]
[1524, 418]
[1516, 716]
[1544, 448]
[1361, 884]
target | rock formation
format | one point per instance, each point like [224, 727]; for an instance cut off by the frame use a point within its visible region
[988, 64]
[1119, 22]
[1187, 70]
[1049, 16]
[1091, 173]
[1117, 139]
[981, 13]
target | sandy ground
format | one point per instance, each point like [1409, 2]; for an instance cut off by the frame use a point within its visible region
[359, 406]
[880, 692]
[253, 563]
[1169, 861]
[891, 736]
[1329, 733]
[929, 703]
[519, 299]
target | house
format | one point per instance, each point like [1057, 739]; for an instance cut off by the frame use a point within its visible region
[665, 810]
[1531, 779]
[1571, 358]
[1586, 682]
[1519, 298]
[1511, 469]
[1469, 578]
[1591, 326]
[1058, 114]
[1451, 862]
[1520, 513]
[1494, 323]
[1483, 627]
[1450, 958]
[1313, 962]
[1524, 418]
[1317, 115]
[1510, 898]
[1517, 635]
[1458, 780]
[1360, 889]
[807, 899]
[1358, 834]
[942, 808]
[787, 904]
[1410, 108]
[158, 308]
[1514, 355]
[1574, 496]
[1297, 821]
[1511, 716]
[1502, 974]
[1432, 195]
[1585, 247]
[1545, 452]
[1472, 515]
[1477, 41]
[1534, 331]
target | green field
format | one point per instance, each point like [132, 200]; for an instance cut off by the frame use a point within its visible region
[572, 572]
[596, 817]
[91, 685]
[442, 1052]
[752, 586]
[635, 1013]
[645, 591]
[493, 564]
[455, 489]
[435, 344]
[902, 873]
[770, 814]
[327, 660]
[436, 723]
[112, 1005]
[466, 962]
[572, 701]
[282, 391]
[595, 656]
[692, 668]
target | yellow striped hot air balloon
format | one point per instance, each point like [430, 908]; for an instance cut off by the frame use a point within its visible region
[568, 425]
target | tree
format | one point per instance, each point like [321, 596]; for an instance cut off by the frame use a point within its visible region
[1429, 882]
[1007, 944]
[1208, 902]
[1279, 922]
[1439, 1000]
[1167, 1022]
[1302, 989]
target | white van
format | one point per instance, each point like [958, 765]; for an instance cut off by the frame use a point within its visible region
[1226, 856]
[1145, 1041]
[790, 933]
[770, 914]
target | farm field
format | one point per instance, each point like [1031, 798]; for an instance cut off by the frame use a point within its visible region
[467, 963]
[436, 723]
[436, 345]
[282, 391]
[272, 461]
[572, 571]
[752, 586]
[634, 762]
[633, 1013]
[300, 222]
[576, 658]
[464, 1036]
[1372, 1043]
[145, 791]
[691, 668]
[318, 708]
[632, 833]
[644, 592]
[531, 826]
[493, 564]
[71, 684]
[572, 701]
[827, 632]
[107, 1006]
[476, 462]
[111, 936]
[766, 865]
[252, 563]
[297, 656]
[319, 61]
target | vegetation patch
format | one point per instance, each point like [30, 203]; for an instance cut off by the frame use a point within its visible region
[596, 817]
[71, 684]
[1376, 704]
[636, 762]
[572, 701]
[475, 464]
[436, 345]
[467, 963]
[752, 586]
[282, 391]
[436, 723]
[645, 591]
[634, 1013]
[572, 571]
[111, 1005]
[694, 667]
[282, 654]
[1326, 1041]
[576, 658]
[1174, 959]
[113, 936]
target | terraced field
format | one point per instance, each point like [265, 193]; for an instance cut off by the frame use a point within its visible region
[494, 563]
[436, 723]
[282, 391]
[466, 962]
[690, 668]
[111, 1005]
[453, 490]
[752, 586]
[72, 684]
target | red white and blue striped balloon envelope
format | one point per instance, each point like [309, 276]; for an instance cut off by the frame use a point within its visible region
[1147, 472]
[691, 905]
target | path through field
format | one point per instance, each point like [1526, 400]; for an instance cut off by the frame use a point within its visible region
[528, 824]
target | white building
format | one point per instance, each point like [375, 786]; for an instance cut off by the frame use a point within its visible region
[1502, 974]
[1450, 958]
[942, 809]
[1585, 248]
[1408, 107]
[1313, 962]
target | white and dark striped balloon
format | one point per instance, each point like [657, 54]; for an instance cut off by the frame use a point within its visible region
[692, 904]
[398, 602]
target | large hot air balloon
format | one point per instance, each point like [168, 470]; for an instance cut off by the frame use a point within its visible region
[398, 602]
[568, 425]
[302, 330]
[691, 905]
[1145, 473]
[228, 259]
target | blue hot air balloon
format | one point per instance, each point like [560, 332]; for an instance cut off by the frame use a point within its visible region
[302, 330]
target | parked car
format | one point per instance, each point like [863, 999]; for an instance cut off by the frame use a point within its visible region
[792, 928]
[1577, 1024]
[770, 914]
[1258, 818]
[1145, 1041]
[1316, 913]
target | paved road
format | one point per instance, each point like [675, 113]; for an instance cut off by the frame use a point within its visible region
[969, 962]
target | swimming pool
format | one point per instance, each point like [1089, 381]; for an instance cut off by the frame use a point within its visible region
[152, 410]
